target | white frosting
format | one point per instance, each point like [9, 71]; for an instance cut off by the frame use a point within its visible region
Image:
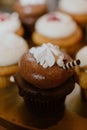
[31, 2]
[60, 28]
[12, 47]
[12, 79]
[82, 55]
[38, 76]
[47, 55]
[10, 22]
[73, 6]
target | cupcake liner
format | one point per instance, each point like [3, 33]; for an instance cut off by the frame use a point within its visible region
[46, 108]
[44, 102]
[20, 32]
[8, 70]
[41, 105]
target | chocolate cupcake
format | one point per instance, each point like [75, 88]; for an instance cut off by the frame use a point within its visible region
[29, 11]
[44, 80]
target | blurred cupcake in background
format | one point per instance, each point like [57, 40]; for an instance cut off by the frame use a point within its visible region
[60, 29]
[10, 22]
[12, 47]
[82, 71]
[29, 11]
[76, 8]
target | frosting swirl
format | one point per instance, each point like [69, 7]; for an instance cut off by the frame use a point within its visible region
[73, 6]
[32, 2]
[9, 22]
[12, 47]
[47, 55]
[57, 25]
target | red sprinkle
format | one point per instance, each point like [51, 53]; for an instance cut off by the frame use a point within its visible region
[53, 18]
[3, 17]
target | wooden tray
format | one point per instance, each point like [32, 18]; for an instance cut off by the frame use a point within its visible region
[14, 114]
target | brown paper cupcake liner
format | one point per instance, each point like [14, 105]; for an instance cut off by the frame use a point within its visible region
[44, 102]
[46, 108]
[42, 105]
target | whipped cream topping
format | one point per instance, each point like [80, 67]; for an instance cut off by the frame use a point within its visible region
[12, 47]
[82, 55]
[48, 55]
[31, 2]
[73, 6]
[9, 22]
[57, 25]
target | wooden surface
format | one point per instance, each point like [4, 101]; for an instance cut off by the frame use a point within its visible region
[2, 128]
[14, 114]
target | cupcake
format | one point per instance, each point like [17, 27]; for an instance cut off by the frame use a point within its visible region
[76, 8]
[82, 71]
[12, 47]
[60, 29]
[10, 22]
[29, 11]
[44, 80]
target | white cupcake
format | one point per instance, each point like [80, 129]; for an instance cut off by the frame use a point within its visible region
[76, 8]
[10, 22]
[12, 47]
[82, 71]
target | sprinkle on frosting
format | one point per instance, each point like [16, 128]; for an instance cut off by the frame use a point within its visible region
[48, 55]
[52, 17]
[31, 2]
[3, 17]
